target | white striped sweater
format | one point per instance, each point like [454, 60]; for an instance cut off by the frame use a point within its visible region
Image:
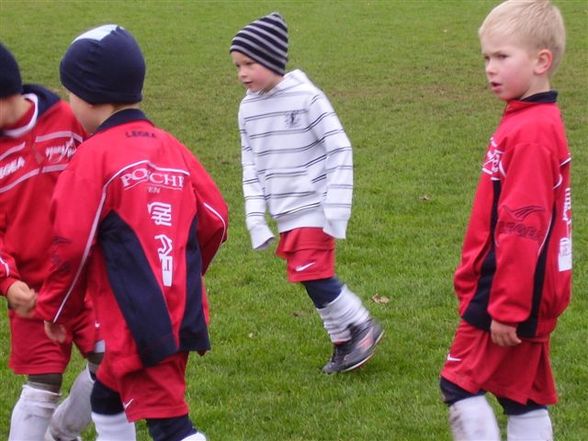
[297, 160]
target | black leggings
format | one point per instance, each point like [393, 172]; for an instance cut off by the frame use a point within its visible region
[453, 393]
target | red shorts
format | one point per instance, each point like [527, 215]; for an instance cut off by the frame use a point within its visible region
[309, 253]
[153, 392]
[520, 373]
[31, 351]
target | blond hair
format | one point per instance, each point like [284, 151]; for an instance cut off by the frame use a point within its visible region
[537, 24]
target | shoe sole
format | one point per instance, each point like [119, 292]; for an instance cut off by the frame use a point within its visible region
[366, 359]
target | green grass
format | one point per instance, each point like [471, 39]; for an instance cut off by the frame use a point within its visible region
[406, 79]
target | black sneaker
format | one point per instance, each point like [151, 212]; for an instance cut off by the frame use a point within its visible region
[355, 352]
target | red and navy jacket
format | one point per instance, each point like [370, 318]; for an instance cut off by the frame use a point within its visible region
[137, 220]
[516, 264]
[31, 158]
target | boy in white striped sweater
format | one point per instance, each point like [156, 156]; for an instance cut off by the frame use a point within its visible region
[297, 164]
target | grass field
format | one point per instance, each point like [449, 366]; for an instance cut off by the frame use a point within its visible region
[406, 78]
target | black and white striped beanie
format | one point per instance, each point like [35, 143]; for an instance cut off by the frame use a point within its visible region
[265, 41]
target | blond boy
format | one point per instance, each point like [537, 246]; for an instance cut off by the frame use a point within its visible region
[514, 278]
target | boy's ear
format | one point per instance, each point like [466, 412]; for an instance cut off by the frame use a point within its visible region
[544, 60]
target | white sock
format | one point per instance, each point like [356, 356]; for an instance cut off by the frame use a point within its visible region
[113, 427]
[31, 414]
[196, 437]
[530, 426]
[473, 419]
[73, 415]
[345, 310]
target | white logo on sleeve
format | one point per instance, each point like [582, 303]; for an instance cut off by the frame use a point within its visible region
[565, 254]
[492, 162]
[12, 167]
[161, 213]
[451, 358]
[57, 153]
[166, 259]
[565, 243]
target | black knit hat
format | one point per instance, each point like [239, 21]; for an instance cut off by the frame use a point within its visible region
[104, 65]
[10, 81]
[265, 41]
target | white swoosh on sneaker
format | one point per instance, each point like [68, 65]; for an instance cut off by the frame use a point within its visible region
[300, 268]
[450, 358]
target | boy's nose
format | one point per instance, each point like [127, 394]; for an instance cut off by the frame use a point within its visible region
[490, 67]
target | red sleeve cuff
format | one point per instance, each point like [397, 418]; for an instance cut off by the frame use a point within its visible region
[5, 284]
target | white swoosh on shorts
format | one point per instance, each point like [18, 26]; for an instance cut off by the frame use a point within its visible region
[128, 403]
[300, 268]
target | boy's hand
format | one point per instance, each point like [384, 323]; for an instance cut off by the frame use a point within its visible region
[504, 335]
[21, 298]
[55, 332]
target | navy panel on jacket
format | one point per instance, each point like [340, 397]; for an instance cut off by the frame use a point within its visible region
[137, 291]
[476, 313]
[193, 329]
[529, 326]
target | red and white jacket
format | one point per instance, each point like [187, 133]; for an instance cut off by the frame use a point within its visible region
[31, 158]
[516, 264]
[137, 220]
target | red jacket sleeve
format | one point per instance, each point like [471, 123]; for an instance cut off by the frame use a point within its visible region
[213, 213]
[8, 271]
[525, 213]
[75, 209]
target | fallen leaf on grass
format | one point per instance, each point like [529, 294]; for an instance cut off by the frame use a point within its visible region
[382, 300]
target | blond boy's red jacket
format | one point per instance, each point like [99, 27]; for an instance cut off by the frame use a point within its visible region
[31, 158]
[516, 264]
[137, 220]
